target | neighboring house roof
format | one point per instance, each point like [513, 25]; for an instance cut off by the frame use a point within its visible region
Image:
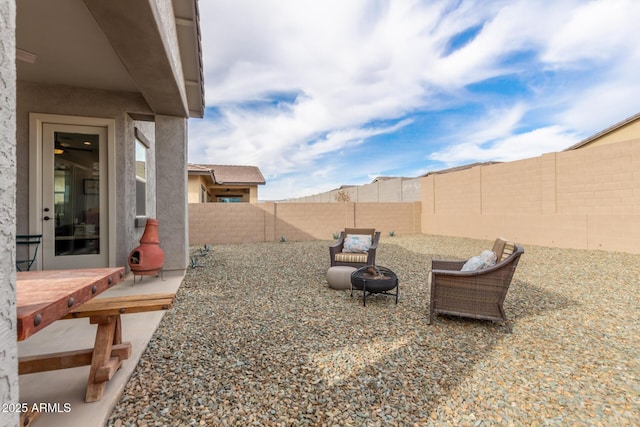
[201, 170]
[604, 132]
[229, 174]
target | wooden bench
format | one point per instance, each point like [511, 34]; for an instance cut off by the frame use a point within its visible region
[109, 351]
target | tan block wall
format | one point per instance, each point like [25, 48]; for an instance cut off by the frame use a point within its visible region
[458, 192]
[391, 190]
[402, 218]
[220, 223]
[411, 190]
[599, 180]
[310, 221]
[217, 223]
[585, 199]
[367, 192]
[512, 187]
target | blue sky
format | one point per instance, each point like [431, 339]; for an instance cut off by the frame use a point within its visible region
[320, 94]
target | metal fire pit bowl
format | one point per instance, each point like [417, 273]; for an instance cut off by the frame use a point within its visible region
[372, 279]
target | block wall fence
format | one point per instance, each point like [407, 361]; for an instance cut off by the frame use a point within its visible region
[220, 223]
[583, 199]
[389, 190]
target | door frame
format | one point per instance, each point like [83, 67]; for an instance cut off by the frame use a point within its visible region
[36, 122]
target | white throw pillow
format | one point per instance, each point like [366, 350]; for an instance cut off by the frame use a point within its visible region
[484, 260]
[357, 243]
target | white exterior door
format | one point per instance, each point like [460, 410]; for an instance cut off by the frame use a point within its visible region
[75, 211]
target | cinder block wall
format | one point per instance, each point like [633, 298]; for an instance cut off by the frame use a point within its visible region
[402, 218]
[220, 223]
[586, 199]
[216, 223]
[389, 190]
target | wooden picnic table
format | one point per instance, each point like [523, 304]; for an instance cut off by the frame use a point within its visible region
[48, 295]
[44, 297]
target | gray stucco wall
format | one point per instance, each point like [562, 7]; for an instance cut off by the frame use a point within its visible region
[8, 346]
[132, 231]
[167, 180]
[72, 101]
[172, 195]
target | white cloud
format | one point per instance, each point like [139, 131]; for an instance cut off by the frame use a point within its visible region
[594, 31]
[513, 147]
[360, 68]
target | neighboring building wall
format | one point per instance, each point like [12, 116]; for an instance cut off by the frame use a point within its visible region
[220, 223]
[9, 392]
[585, 199]
[249, 194]
[253, 194]
[195, 188]
[243, 191]
[624, 133]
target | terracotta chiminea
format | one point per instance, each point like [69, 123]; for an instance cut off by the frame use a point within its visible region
[148, 258]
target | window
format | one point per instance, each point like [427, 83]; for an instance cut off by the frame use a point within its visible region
[141, 173]
[229, 199]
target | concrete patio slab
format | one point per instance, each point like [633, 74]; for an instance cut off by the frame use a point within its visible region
[60, 394]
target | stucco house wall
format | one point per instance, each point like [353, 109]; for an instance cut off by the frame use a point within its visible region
[625, 130]
[195, 183]
[144, 77]
[9, 356]
[70, 101]
[625, 133]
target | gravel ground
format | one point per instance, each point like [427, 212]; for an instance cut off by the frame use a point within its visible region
[256, 337]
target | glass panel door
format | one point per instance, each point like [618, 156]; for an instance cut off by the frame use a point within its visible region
[74, 197]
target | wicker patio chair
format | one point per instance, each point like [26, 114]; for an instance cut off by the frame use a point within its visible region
[477, 294]
[354, 259]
